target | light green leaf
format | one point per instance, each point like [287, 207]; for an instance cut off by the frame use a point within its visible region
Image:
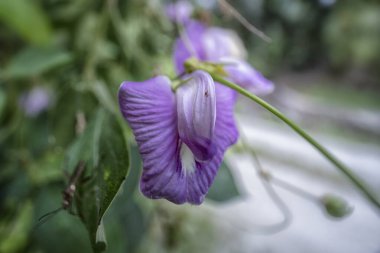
[27, 19]
[223, 188]
[35, 61]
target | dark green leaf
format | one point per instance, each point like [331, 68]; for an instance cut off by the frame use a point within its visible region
[34, 61]
[103, 148]
[86, 147]
[223, 188]
[126, 223]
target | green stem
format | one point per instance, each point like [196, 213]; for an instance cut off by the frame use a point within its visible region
[343, 168]
[177, 83]
[265, 178]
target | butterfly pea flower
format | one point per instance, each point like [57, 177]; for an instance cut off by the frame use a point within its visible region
[189, 46]
[246, 76]
[220, 42]
[223, 46]
[181, 136]
[36, 101]
[179, 12]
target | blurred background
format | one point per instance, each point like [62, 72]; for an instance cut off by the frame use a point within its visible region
[60, 60]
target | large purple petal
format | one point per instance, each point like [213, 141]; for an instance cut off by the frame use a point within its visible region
[149, 107]
[196, 110]
[246, 76]
[189, 45]
[226, 132]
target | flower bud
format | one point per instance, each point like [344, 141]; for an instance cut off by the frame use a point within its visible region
[336, 206]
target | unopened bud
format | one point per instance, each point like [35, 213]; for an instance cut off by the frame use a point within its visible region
[336, 206]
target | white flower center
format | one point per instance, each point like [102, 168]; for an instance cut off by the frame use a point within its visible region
[187, 159]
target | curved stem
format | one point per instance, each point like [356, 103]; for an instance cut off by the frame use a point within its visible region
[265, 178]
[342, 167]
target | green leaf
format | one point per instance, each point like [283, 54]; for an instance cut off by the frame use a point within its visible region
[86, 147]
[103, 148]
[35, 61]
[27, 19]
[223, 188]
[132, 181]
[104, 96]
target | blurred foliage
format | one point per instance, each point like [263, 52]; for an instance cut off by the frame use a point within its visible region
[81, 50]
[340, 35]
[44, 59]
[26, 19]
[352, 36]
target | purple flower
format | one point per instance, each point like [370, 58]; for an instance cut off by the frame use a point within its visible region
[218, 45]
[36, 101]
[246, 76]
[181, 137]
[187, 46]
[179, 11]
[219, 42]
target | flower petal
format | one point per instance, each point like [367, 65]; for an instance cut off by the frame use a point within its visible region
[225, 134]
[196, 112]
[179, 11]
[149, 108]
[219, 42]
[189, 45]
[246, 76]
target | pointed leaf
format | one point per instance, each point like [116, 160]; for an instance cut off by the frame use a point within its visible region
[103, 148]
